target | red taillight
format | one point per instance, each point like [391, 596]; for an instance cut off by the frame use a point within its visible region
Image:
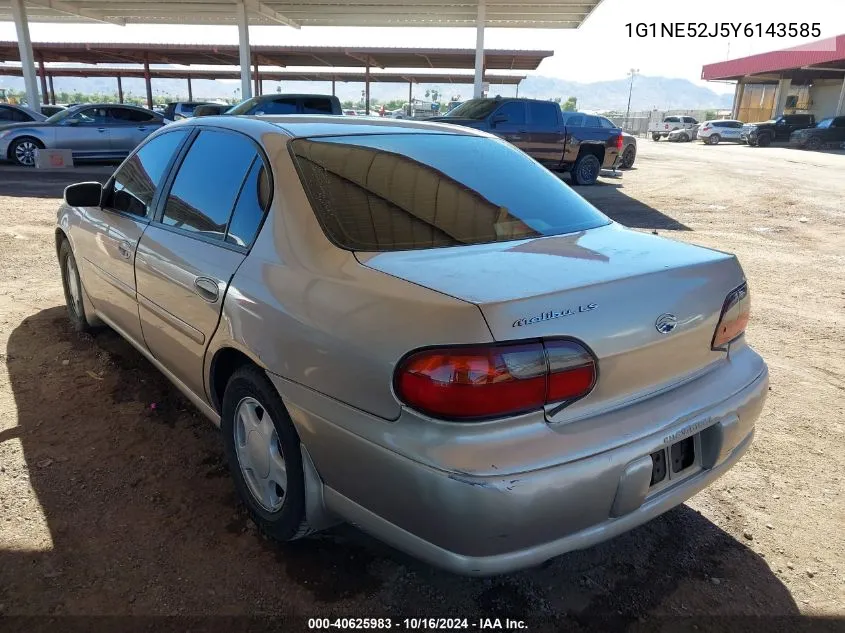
[488, 381]
[705, 128]
[734, 317]
[619, 142]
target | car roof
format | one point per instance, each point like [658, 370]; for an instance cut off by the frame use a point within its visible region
[296, 126]
[296, 95]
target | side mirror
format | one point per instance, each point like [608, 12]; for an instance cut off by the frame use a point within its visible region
[499, 118]
[84, 194]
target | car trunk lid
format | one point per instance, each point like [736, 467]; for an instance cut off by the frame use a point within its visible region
[646, 306]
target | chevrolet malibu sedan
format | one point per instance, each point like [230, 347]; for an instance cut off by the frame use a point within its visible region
[474, 365]
[90, 131]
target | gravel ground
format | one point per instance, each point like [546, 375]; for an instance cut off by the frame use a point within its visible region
[109, 507]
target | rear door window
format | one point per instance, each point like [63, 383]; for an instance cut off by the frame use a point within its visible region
[543, 115]
[134, 184]
[606, 123]
[208, 183]
[575, 120]
[316, 106]
[591, 121]
[671, 119]
[391, 192]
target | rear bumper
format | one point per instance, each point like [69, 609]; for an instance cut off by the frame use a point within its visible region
[498, 523]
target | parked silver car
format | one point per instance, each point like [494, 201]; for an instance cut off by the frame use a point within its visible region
[10, 114]
[90, 131]
[417, 329]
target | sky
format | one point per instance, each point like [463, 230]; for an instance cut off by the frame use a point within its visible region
[600, 50]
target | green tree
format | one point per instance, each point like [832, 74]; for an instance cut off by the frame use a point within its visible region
[570, 105]
[709, 115]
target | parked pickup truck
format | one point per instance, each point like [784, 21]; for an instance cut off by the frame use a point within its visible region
[537, 128]
[670, 123]
[779, 129]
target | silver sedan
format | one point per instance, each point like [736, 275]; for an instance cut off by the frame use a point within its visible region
[417, 329]
[90, 131]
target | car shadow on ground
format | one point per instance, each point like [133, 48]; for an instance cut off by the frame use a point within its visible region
[23, 182]
[138, 516]
[612, 200]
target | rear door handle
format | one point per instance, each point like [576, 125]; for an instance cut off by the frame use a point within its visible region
[207, 289]
[101, 129]
[143, 129]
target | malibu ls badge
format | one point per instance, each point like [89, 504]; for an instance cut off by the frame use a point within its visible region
[554, 314]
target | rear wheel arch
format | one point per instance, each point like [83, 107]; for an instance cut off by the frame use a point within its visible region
[61, 236]
[225, 362]
[594, 149]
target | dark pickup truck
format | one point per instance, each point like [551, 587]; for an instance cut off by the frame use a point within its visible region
[538, 129]
[780, 129]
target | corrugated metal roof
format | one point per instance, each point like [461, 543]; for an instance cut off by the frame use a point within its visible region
[227, 55]
[558, 14]
[286, 75]
[828, 53]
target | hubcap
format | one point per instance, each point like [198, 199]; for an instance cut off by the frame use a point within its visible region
[25, 153]
[73, 286]
[588, 170]
[260, 454]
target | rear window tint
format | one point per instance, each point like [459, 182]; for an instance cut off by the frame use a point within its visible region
[392, 192]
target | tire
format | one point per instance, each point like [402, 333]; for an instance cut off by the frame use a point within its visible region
[22, 151]
[629, 155]
[764, 140]
[814, 143]
[248, 387]
[714, 139]
[73, 289]
[684, 138]
[655, 137]
[586, 170]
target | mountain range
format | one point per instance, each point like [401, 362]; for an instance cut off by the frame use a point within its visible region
[648, 93]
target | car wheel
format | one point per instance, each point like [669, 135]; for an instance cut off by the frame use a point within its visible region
[764, 140]
[22, 151]
[263, 451]
[586, 170]
[683, 138]
[73, 289]
[655, 137]
[814, 143]
[714, 139]
[628, 157]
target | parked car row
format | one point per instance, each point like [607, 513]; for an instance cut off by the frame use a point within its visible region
[799, 130]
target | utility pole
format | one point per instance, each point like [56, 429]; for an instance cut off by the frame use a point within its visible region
[632, 73]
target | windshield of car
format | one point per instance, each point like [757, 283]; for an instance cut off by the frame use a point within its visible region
[243, 107]
[391, 192]
[64, 114]
[824, 123]
[474, 109]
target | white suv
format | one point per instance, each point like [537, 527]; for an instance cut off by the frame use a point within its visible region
[713, 132]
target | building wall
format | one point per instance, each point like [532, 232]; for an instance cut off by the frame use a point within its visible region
[758, 101]
[824, 96]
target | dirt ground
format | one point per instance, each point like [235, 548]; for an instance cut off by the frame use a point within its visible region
[111, 507]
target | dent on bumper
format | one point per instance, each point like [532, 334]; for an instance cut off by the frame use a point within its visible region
[482, 525]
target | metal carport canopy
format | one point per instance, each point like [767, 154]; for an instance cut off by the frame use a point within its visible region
[558, 14]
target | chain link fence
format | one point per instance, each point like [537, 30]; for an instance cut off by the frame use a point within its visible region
[637, 123]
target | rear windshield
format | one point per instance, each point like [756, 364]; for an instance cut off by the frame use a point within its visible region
[474, 109]
[392, 192]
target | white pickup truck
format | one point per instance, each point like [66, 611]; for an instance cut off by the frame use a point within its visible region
[674, 122]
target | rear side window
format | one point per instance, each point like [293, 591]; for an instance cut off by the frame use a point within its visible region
[251, 206]
[591, 121]
[671, 119]
[316, 106]
[135, 183]
[543, 115]
[11, 114]
[277, 106]
[208, 183]
[606, 123]
[576, 120]
[393, 192]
